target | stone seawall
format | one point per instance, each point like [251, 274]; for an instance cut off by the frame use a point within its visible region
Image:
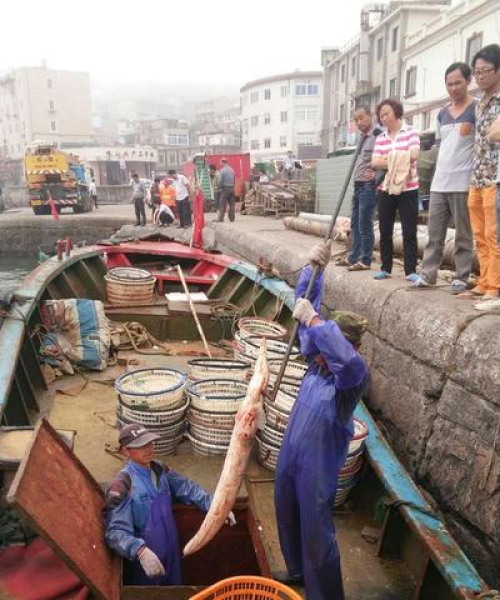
[435, 370]
[22, 233]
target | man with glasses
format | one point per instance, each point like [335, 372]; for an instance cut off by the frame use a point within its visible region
[482, 194]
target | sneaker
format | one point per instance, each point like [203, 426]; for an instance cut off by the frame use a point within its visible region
[420, 283]
[488, 305]
[381, 275]
[343, 262]
[412, 277]
[457, 286]
[359, 266]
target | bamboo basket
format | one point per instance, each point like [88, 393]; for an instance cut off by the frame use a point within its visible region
[203, 418]
[293, 375]
[206, 368]
[276, 417]
[218, 395]
[150, 419]
[152, 389]
[274, 348]
[272, 436]
[262, 328]
[268, 453]
[129, 286]
[206, 449]
[218, 437]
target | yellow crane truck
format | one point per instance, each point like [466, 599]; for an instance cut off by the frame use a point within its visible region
[57, 175]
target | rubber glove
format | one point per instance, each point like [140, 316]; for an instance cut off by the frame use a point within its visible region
[321, 254]
[231, 519]
[150, 563]
[304, 312]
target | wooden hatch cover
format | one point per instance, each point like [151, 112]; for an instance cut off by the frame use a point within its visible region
[62, 502]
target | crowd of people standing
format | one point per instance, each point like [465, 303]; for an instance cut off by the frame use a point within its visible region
[464, 189]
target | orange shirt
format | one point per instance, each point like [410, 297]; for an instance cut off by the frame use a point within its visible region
[167, 195]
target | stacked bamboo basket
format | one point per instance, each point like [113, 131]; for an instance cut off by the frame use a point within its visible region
[156, 399]
[129, 286]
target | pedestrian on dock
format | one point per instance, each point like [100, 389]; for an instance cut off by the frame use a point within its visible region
[317, 439]
[139, 199]
[364, 200]
[168, 195]
[396, 151]
[182, 189]
[455, 131]
[93, 192]
[288, 166]
[226, 184]
[138, 515]
[485, 174]
[214, 185]
[154, 194]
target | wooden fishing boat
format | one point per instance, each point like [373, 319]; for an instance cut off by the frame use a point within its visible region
[409, 552]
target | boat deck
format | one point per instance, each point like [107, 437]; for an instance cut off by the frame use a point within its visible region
[87, 404]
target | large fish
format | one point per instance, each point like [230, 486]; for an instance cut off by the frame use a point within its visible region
[250, 417]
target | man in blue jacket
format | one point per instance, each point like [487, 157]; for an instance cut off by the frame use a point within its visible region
[138, 514]
[317, 440]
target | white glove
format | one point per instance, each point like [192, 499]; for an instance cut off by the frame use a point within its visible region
[231, 519]
[304, 311]
[321, 253]
[150, 563]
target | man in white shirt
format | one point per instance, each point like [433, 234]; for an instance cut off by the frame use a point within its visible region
[289, 166]
[182, 190]
[93, 192]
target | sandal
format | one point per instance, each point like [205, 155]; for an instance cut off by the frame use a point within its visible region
[381, 275]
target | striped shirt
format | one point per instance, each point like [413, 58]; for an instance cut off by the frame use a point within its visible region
[405, 140]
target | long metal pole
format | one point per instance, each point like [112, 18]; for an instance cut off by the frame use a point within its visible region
[316, 268]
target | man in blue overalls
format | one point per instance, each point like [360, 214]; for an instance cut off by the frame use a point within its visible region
[138, 514]
[317, 440]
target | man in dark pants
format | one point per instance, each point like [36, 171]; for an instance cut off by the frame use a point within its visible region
[181, 185]
[138, 198]
[364, 200]
[226, 186]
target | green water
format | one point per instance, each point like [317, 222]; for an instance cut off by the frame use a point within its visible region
[13, 270]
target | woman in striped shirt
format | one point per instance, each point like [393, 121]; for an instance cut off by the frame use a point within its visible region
[397, 147]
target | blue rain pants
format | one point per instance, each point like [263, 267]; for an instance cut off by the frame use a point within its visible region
[313, 452]
[145, 517]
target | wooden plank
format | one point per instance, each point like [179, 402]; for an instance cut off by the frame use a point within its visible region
[62, 502]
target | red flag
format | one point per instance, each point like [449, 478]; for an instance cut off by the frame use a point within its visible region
[199, 218]
[53, 208]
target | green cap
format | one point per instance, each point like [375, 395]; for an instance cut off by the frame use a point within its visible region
[351, 324]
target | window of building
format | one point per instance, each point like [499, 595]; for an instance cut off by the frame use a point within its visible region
[52, 105]
[283, 141]
[245, 125]
[267, 94]
[394, 39]
[254, 97]
[392, 88]
[245, 146]
[306, 88]
[284, 90]
[426, 121]
[411, 82]
[267, 119]
[474, 44]
[49, 84]
[342, 74]
[254, 144]
[161, 158]
[267, 143]
[380, 48]
[353, 66]
[300, 115]
[254, 121]
[311, 115]
[342, 113]
[178, 140]
[284, 116]
[53, 126]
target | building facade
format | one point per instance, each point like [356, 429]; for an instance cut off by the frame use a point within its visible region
[37, 103]
[281, 113]
[454, 35]
[368, 68]
[170, 137]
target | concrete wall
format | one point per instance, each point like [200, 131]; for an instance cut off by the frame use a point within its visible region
[16, 195]
[435, 386]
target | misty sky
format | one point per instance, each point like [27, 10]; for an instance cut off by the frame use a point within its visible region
[195, 41]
